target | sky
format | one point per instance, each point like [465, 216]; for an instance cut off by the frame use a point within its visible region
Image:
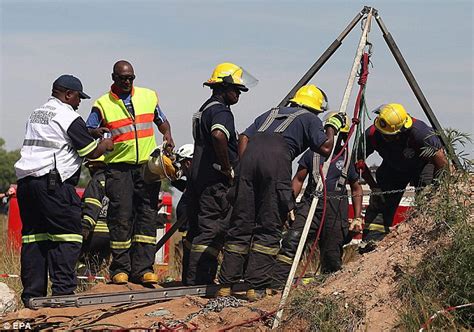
[174, 46]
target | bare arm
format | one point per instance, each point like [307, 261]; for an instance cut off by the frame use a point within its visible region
[298, 180]
[439, 161]
[356, 192]
[103, 146]
[326, 148]
[243, 141]
[219, 142]
[165, 129]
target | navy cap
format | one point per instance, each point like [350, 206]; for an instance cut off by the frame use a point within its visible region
[71, 83]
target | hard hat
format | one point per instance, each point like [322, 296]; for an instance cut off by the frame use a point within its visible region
[311, 97]
[392, 119]
[229, 73]
[185, 152]
[344, 129]
[160, 166]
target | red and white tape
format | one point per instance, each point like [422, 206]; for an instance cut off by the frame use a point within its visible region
[443, 312]
[91, 277]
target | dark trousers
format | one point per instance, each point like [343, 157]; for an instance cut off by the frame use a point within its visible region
[332, 238]
[132, 219]
[96, 250]
[381, 210]
[206, 232]
[51, 236]
[92, 199]
[263, 199]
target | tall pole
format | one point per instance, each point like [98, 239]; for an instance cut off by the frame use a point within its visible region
[323, 58]
[314, 202]
[416, 89]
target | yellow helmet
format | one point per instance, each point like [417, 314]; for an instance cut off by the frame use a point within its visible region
[344, 129]
[229, 73]
[392, 119]
[160, 165]
[311, 97]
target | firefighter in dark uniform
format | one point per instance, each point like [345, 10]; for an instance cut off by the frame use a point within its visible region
[335, 232]
[95, 233]
[184, 156]
[56, 140]
[263, 194]
[212, 171]
[411, 154]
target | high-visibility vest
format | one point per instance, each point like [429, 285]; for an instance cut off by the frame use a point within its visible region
[133, 136]
[47, 144]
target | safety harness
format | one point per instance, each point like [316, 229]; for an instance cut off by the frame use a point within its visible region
[274, 115]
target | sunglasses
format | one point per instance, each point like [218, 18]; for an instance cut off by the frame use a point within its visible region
[124, 78]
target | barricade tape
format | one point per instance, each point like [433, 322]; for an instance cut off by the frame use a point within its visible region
[428, 322]
[91, 277]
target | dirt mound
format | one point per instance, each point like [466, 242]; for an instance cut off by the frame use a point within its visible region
[369, 281]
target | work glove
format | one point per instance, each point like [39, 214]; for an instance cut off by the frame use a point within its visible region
[356, 225]
[337, 121]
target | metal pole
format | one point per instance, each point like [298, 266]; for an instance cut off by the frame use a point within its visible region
[324, 57]
[416, 89]
[314, 202]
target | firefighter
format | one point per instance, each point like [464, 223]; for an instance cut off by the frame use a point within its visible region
[212, 171]
[411, 153]
[129, 112]
[95, 233]
[335, 232]
[55, 143]
[263, 193]
[184, 157]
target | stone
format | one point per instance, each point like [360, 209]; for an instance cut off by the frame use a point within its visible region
[8, 299]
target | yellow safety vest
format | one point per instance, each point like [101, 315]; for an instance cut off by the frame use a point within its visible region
[133, 137]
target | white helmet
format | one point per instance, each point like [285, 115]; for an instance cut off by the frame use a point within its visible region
[185, 152]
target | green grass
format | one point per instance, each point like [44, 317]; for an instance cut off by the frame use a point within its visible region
[9, 260]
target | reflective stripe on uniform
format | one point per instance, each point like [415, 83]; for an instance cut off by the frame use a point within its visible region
[34, 238]
[144, 239]
[101, 227]
[376, 227]
[237, 248]
[284, 259]
[120, 244]
[41, 143]
[203, 248]
[89, 219]
[264, 249]
[93, 201]
[221, 128]
[65, 237]
[51, 237]
[87, 149]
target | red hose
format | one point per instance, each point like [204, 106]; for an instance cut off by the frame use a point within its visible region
[227, 328]
[355, 120]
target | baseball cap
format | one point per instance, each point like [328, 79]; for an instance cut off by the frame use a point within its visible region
[71, 83]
